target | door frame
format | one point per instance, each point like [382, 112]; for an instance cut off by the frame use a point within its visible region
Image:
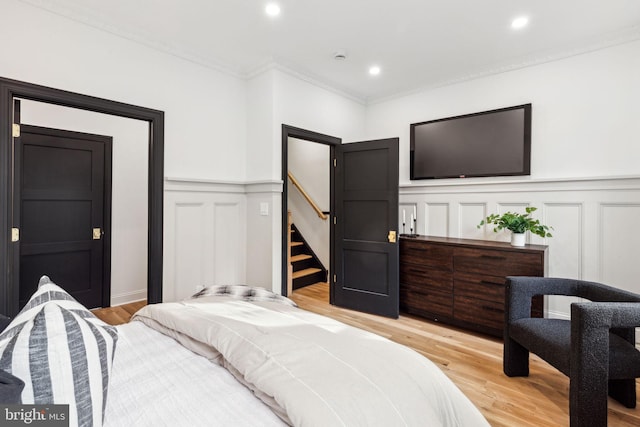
[331, 141]
[10, 89]
[107, 143]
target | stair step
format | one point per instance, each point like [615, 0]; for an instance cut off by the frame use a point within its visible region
[296, 243]
[300, 257]
[305, 272]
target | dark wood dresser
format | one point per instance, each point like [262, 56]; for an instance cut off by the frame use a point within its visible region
[461, 281]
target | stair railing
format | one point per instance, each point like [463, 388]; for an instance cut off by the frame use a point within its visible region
[289, 265]
[308, 198]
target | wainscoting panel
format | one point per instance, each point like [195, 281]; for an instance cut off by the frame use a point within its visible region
[189, 244]
[592, 239]
[436, 219]
[620, 236]
[470, 215]
[566, 243]
[226, 243]
[205, 236]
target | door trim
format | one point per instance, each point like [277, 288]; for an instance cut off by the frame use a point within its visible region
[307, 135]
[10, 89]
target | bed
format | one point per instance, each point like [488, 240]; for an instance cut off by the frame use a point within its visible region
[230, 355]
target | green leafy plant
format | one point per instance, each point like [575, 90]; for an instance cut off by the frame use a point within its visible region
[517, 223]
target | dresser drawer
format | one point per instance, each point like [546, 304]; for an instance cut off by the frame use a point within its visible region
[423, 301]
[422, 253]
[499, 263]
[489, 314]
[426, 277]
[480, 286]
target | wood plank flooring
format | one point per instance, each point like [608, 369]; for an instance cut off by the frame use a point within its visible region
[472, 361]
[119, 314]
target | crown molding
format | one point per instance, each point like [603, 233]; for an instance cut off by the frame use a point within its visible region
[279, 65]
[139, 37]
[624, 36]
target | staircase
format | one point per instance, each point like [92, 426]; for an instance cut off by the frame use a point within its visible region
[307, 268]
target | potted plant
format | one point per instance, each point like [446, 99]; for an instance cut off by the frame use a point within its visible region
[518, 224]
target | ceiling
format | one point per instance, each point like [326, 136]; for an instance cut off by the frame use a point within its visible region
[417, 43]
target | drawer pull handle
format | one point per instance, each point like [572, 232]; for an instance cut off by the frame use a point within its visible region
[501, 258]
[487, 282]
[496, 310]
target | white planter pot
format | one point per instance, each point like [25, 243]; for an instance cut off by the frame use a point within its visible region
[518, 239]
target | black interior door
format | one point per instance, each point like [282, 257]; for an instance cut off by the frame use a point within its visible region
[61, 194]
[366, 206]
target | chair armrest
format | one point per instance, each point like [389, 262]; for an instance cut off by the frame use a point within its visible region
[520, 289]
[591, 322]
[606, 314]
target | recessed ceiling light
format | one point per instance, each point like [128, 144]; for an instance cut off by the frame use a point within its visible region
[519, 22]
[272, 9]
[374, 70]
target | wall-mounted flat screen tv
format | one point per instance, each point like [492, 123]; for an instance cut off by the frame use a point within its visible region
[490, 143]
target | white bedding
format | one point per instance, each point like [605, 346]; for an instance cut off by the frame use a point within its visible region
[318, 371]
[157, 382]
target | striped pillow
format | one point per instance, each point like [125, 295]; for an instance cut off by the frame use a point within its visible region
[62, 352]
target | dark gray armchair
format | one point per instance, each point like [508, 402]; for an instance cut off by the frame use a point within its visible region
[595, 349]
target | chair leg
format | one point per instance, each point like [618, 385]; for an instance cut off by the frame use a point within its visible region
[624, 391]
[515, 360]
[588, 399]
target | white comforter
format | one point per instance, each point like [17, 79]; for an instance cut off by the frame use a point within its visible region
[157, 382]
[316, 371]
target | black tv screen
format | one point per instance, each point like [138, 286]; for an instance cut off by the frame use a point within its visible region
[490, 143]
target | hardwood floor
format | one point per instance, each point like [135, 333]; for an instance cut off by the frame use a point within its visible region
[119, 314]
[472, 361]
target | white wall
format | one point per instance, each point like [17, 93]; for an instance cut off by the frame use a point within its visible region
[224, 130]
[205, 117]
[584, 120]
[129, 209]
[309, 162]
[205, 110]
[284, 98]
[584, 125]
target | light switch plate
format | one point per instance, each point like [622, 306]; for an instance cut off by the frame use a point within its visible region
[264, 208]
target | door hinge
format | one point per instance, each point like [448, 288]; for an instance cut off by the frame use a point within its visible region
[335, 278]
[335, 163]
[15, 234]
[391, 236]
[335, 221]
[15, 130]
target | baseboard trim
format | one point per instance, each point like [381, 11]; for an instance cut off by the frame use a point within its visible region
[128, 297]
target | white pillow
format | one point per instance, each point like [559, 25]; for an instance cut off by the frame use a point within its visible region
[62, 352]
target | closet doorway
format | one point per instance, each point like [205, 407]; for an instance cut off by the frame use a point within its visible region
[9, 250]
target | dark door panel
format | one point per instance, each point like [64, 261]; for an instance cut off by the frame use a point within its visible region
[366, 199]
[63, 187]
[366, 269]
